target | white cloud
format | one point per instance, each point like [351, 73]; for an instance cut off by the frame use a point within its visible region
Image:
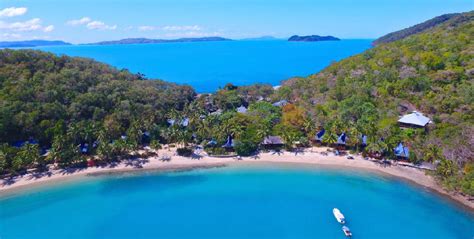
[91, 24]
[98, 25]
[10, 36]
[13, 11]
[81, 21]
[26, 26]
[182, 28]
[146, 28]
[49, 28]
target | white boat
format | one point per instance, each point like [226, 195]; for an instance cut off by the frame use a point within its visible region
[347, 231]
[339, 216]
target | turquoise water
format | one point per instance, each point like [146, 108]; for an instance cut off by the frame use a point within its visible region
[233, 203]
[209, 65]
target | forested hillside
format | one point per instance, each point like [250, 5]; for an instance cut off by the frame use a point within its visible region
[432, 72]
[418, 28]
[70, 101]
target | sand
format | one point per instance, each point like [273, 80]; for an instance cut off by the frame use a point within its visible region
[309, 157]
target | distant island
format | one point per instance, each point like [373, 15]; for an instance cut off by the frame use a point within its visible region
[32, 43]
[313, 38]
[149, 41]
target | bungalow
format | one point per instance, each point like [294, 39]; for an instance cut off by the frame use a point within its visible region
[401, 151]
[229, 144]
[363, 140]
[341, 140]
[242, 109]
[271, 142]
[414, 119]
[319, 136]
[280, 103]
[184, 122]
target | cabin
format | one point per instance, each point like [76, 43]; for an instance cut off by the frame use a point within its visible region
[401, 151]
[272, 142]
[211, 143]
[84, 148]
[280, 103]
[319, 136]
[341, 141]
[184, 122]
[363, 140]
[242, 109]
[229, 144]
[414, 120]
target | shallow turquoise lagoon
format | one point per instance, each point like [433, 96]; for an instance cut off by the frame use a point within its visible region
[236, 202]
[209, 65]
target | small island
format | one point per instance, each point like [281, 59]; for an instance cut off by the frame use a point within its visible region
[313, 38]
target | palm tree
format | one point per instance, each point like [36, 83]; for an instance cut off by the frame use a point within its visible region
[433, 153]
[330, 138]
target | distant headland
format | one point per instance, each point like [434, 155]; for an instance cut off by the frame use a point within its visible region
[148, 41]
[313, 38]
[32, 43]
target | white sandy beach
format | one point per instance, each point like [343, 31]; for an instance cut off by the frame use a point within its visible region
[311, 157]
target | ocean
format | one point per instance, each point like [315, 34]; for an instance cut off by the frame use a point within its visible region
[209, 65]
[264, 201]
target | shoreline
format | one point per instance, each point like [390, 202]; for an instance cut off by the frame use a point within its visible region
[310, 157]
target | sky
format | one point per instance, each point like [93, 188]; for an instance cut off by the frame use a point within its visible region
[82, 21]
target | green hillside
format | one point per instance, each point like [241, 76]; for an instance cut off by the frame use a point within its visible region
[65, 101]
[432, 72]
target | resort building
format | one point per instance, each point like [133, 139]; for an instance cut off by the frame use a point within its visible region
[341, 140]
[242, 109]
[272, 142]
[401, 151]
[319, 136]
[229, 144]
[414, 119]
[280, 103]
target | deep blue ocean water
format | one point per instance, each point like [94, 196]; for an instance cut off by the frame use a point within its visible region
[209, 65]
[236, 202]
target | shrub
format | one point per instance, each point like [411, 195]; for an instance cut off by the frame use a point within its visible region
[245, 148]
[185, 152]
[155, 144]
[216, 151]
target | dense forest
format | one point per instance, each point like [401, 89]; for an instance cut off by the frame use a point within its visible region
[67, 112]
[418, 28]
[431, 72]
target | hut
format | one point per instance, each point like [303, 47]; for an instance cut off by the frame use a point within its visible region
[84, 148]
[242, 109]
[401, 151]
[319, 136]
[229, 144]
[280, 103]
[363, 140]
[272, 142]
[341, 140]
[414, 120]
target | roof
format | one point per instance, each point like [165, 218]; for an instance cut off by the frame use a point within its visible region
[341, 139]
[402, 151]
[415, 118]
[272, 140]
[229, 143]
[280, 103]
[319, 136]
[242, 109]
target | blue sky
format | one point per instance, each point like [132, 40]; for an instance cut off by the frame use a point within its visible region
[80, 21]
